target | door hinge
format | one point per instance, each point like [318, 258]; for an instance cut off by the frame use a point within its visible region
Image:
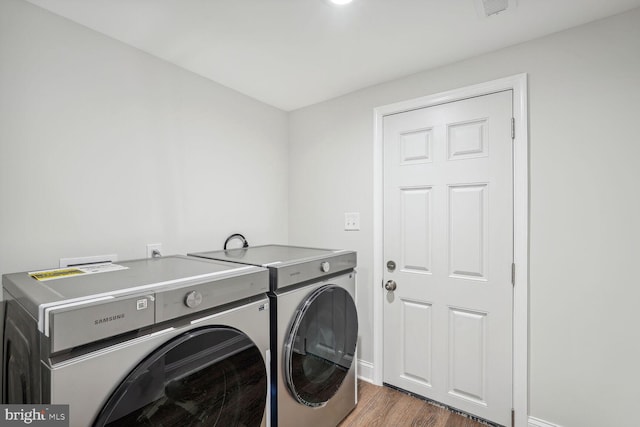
[513, 418]
[513, 274]
[513, 128]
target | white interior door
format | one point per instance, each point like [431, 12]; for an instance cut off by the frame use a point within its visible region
[448, 228]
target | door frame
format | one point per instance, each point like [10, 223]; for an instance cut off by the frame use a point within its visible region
[517, 83]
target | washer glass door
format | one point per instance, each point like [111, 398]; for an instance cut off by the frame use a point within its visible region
[320, 347]
[214, 376]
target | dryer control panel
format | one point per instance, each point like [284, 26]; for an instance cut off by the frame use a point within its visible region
[292, 273]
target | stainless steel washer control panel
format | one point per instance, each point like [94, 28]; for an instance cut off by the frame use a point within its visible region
[191, 298]
[75, 324]
[92, 321]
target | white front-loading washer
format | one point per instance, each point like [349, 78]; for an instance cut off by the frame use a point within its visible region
[171, 341]
[314, 330]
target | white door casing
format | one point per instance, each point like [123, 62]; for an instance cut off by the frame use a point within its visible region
[373, 371]
[448, 230]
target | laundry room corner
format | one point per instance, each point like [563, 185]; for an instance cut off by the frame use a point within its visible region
[105, 148]
[328, 179]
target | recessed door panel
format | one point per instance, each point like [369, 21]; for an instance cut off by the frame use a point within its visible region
[468, 227]
[415, 147]
[467, 355]
[416, 229]
[416, 345]
[468, 140]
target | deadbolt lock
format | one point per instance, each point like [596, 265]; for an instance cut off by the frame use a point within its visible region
[391, 265]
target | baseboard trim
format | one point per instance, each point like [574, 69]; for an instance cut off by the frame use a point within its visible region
[537, 422]
[365, 371]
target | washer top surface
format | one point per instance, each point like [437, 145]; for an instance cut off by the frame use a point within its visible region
[148, 275]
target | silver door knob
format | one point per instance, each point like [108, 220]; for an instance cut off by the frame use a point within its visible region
[390, 285]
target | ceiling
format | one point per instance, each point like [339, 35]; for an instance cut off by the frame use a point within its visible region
[294, 53]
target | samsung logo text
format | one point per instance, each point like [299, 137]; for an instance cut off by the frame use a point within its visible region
[109, 319]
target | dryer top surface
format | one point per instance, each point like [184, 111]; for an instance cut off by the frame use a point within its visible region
[270, 255]
[289, 265]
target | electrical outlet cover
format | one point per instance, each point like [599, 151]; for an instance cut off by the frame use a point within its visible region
[153, 247]
[352, 221]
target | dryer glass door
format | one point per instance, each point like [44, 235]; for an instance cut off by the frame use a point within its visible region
[320, 348]
[214, 376]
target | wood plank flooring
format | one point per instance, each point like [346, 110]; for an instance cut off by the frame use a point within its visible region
[385, 407]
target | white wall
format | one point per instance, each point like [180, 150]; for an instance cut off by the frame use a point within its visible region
[584, 106]
[104, 149]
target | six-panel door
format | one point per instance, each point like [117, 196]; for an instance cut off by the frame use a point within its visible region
[448, 227]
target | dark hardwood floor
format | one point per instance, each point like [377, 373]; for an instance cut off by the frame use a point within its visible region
[385, 407]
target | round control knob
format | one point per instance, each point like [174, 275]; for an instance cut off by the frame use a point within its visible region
[193, 299]
[325, 267]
